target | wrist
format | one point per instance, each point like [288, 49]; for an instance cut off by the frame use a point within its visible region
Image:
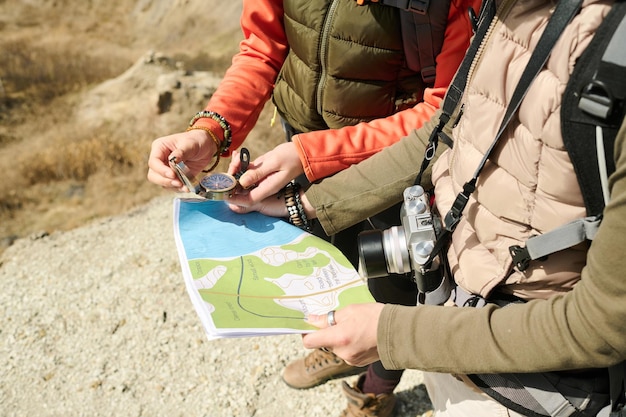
[295, 210]
[309, 210]
[209, 120]
[211, 137]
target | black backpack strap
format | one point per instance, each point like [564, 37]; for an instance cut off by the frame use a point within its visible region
[592, 110]
[422, 36]
[423, 24]
[415, 6]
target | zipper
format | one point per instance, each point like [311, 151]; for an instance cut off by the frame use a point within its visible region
[323, 51]
[501, 12]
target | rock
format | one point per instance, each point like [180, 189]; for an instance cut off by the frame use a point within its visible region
[154, 85]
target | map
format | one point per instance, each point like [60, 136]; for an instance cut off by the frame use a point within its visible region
[251, 275]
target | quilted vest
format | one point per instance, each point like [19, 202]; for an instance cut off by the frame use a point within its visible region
[528, 186]
[346, 64]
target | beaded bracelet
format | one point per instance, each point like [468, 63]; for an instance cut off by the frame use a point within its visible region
[221, 121]
[297, 216]
[217, 142]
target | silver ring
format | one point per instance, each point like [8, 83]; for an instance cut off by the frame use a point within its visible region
[330, 318]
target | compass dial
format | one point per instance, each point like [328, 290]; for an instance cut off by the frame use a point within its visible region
[217, 186]
[218, 182]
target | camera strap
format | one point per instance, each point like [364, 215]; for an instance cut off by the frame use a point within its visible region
[563, 14]
[456, 88]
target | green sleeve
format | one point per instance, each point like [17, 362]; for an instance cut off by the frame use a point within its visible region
[581, 329]
[374, 184]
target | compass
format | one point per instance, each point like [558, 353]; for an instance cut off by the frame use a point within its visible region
[217, 186]
[214, 186]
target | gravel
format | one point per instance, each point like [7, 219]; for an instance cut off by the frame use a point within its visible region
[97, 322]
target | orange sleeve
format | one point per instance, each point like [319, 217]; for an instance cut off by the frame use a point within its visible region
[248, 83]
[326, 152]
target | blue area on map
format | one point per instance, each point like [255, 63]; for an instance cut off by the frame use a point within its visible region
[209, 229]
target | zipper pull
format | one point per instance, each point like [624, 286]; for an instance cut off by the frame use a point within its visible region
[473, 19]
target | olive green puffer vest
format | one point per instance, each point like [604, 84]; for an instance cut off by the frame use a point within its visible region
[346, 65]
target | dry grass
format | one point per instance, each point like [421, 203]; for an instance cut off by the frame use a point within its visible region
[68, 176]
[47, 162]
[43, 72]
[57, 174]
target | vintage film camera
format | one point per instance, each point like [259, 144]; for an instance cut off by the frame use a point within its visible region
[407, 248]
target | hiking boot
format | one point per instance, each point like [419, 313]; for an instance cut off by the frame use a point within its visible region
[367, 405]
[315, 368]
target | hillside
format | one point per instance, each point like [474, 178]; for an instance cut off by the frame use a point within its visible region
[84, 89]
[96, 319]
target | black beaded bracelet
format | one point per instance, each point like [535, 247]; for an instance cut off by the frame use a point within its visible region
[297, 216]
[221, 121]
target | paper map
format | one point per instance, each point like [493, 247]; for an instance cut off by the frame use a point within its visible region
[250, 274]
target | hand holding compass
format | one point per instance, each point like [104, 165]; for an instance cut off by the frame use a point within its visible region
[216, 185]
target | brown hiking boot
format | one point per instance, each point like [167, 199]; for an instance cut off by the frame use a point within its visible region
[315, 368]
[367, 405]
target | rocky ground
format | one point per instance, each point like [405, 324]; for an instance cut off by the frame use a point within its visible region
[97, 322]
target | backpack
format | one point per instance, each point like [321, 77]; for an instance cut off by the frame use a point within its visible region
[423, 24]
[593, 107]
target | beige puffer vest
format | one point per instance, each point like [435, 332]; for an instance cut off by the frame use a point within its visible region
[345, 65]
[528, 186]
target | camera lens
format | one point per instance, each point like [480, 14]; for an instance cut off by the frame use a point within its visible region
[396, 250]
[383, 252]
[372, 262]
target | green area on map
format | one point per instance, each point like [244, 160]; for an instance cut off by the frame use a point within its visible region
[277, 287]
